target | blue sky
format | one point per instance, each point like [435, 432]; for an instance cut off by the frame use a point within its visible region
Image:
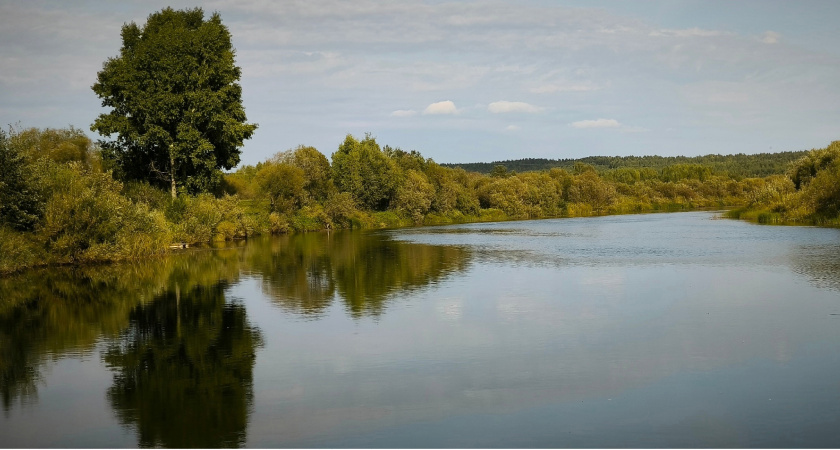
[473, 81]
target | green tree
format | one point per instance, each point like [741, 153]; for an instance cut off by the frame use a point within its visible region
[499, 171]
[822, 194]
[60, 145]
[315, 167]
[804, 169]
[176, 105]
[282, 184]
[363, 170]
[21, 200]
[415, 195]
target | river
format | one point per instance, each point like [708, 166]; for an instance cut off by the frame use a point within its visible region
[657, 330]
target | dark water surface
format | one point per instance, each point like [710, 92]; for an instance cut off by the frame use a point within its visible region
[667, 330]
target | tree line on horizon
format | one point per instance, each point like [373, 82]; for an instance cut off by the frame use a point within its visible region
[738, 165]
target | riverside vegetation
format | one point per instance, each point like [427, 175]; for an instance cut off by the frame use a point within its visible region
[60, 202]
[176, 120]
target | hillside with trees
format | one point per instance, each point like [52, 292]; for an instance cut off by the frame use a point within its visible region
[739, 165]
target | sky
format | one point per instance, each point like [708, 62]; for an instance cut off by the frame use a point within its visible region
[465, 81]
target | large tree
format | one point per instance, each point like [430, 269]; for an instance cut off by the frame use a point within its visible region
[176, 105]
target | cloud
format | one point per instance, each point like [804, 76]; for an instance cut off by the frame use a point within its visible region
[513, 128]
[770, 37]
[403, 113]
[444, 107]
[688, 33]
[564, 87]
[598, 123]
[512, 107]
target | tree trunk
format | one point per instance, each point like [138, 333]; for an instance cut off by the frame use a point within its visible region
[172, 173]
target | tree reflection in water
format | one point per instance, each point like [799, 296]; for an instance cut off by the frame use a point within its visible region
[304, 273]
[182, 354]
[184, 370]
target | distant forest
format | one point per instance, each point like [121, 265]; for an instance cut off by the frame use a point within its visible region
[736, 166]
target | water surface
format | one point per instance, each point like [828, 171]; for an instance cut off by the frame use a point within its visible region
[665, 330]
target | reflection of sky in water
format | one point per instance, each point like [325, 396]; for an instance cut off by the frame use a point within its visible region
[657, 330]
[676, 238]
[539, 334]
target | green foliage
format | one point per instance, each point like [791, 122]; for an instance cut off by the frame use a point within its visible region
[78, 213]
[316, 171]
[806, 168]
[19, 250]
[57, 145]
[736, 166]
[143, 192]
[21, 197]
[278, 224]
[810, 193]
[363, 170]
[822, 194]
[283, 184]
[679, 172]
[499, 171]
[389, 219]
[176, 106]
[415, 195]
[204, 218]
[241, 182]
[589, 188]
[341, 210]
[508, 195]
[86, 219]
[310, 218]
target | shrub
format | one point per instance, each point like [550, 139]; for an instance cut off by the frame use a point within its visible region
[18, 251]
[86, 219]
[310, 218]
[278, 224]
[204, 218]
[340, 208]
[143, 192]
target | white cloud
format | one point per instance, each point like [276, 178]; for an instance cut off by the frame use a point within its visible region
[512, 107]
[403, 113]
[444, 107]
[770, 37]
[598, 123]
[513, 128]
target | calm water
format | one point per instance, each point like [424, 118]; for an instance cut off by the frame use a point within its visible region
[667, 330]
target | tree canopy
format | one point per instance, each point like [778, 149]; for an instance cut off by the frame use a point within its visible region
[363, 170]
[176, 105]
[21, 204]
